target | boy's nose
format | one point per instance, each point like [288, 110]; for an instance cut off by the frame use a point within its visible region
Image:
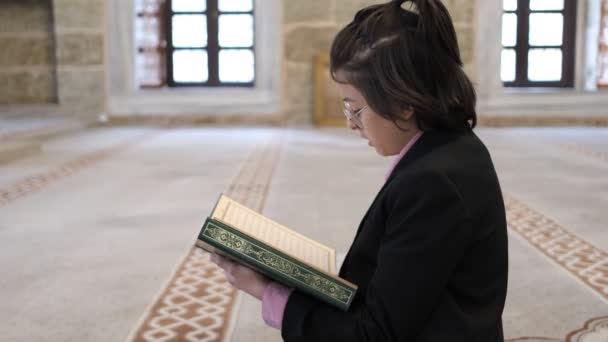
[351, 125]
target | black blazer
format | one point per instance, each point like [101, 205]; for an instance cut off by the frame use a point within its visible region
[430, 256]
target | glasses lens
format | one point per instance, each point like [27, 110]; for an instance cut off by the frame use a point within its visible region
[347, 106]
[353, 117]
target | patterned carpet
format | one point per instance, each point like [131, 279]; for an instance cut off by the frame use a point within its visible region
[594, 330]
[92, 195]
[198, 303]
[584, 261]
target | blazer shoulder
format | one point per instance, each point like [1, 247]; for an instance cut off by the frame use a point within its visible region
[423, 181]
[415, 180]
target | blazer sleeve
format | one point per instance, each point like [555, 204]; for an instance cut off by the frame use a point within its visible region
[427, 230]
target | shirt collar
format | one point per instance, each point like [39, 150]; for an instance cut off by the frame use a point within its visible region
[401, 154]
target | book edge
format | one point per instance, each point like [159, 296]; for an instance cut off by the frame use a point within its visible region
[291, 231]
[278, 249]
[331, 259]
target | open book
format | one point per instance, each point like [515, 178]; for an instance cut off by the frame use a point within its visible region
[290, 258]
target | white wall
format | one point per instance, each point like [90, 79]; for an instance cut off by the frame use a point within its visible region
[495, 100]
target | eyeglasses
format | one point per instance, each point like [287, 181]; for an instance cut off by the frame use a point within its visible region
[353, 116]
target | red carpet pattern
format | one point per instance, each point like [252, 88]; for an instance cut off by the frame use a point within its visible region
[595, 330]
[584, 261]
[37, 182]
[198, 303]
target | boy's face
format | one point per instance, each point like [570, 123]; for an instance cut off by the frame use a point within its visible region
[382, 134]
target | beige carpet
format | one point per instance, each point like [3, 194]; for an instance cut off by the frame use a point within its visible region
[96, 231]
[206, 288]
[198, 303]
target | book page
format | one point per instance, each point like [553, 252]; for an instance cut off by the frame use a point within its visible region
[275, 235]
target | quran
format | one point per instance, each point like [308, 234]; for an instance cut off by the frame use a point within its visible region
[248, 237]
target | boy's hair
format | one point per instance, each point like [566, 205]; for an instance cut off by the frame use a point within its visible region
[402, 59]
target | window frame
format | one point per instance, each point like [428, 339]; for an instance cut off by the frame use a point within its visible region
[213, 49]
[147, 15]
[522, 46]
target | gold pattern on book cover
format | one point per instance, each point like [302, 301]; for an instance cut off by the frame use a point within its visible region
[295, 272]
[273, 234]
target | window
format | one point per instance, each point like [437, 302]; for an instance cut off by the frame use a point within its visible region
[210, 43]
[538, 43]
[150, 67]
[207, 43]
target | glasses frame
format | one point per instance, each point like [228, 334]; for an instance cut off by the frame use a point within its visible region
[353, 116]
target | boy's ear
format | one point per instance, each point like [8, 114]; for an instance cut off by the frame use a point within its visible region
[408, 113]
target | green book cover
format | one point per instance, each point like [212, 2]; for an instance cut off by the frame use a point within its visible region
[276, 264]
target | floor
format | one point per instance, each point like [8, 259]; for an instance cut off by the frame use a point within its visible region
[97, 228]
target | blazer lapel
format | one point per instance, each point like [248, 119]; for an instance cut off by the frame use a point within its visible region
[426, 143]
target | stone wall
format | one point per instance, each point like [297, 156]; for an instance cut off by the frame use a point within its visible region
[53, 52]
[27, 62]
[80, 33]
[309, 27]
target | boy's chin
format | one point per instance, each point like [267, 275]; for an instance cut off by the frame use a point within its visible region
[380, 152]
[384, 153]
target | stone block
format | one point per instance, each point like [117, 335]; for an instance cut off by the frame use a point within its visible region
[298, 98]
[462, 11]
[15, 150]
[303, 43]
[470, 70]
[79, 14]
[25, 16]
[306, 11]
[27, 87]
[78, 49]
[346, 9]
[88, 109]
[23, 51]
[466, 43]
[83, 90]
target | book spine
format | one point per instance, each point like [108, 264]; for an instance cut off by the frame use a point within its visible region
[276, 264]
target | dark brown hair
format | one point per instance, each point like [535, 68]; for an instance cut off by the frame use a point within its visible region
[406, 59]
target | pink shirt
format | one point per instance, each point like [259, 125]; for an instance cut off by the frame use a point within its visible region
[275, 296]
[404, 150]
